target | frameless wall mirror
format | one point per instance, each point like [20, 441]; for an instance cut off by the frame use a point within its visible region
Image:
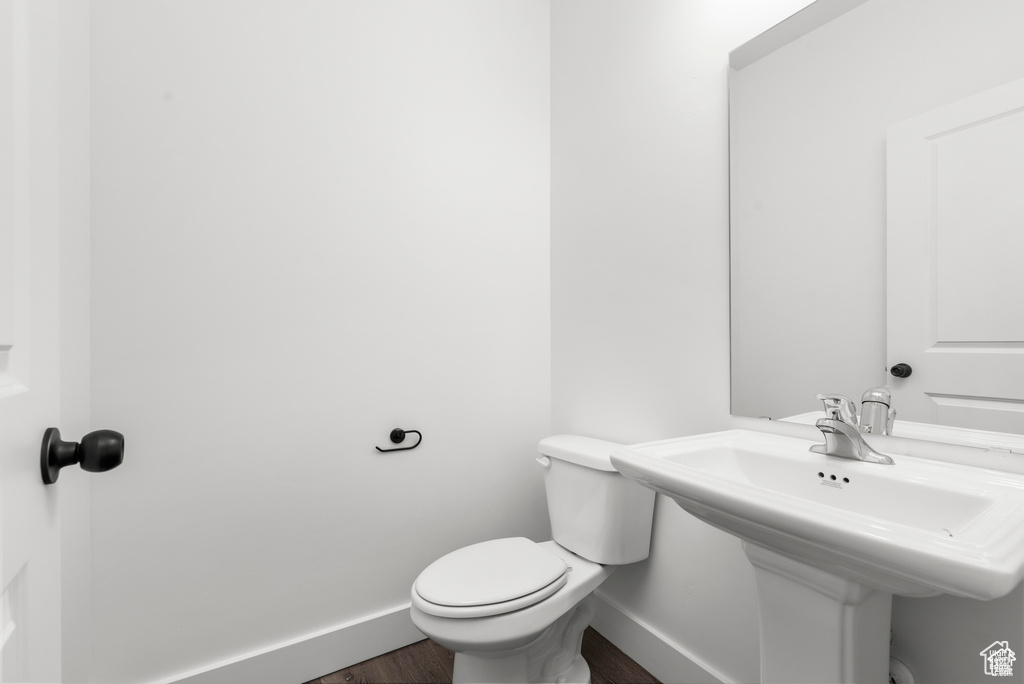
[821, 181]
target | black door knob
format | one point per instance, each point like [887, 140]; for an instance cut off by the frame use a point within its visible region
[98, 452]
[901, 370]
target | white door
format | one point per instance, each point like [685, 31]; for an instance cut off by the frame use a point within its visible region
[29, 393]
[956, 262]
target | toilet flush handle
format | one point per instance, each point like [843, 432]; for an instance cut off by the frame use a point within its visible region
[545, 462]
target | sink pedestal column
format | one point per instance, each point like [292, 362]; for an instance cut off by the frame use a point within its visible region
[816, 627]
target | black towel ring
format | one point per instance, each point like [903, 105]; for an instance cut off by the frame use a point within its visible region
[398, 436]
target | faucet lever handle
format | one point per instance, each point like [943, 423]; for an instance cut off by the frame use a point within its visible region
[839, 407]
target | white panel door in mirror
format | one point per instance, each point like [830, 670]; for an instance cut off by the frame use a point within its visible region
[979, 231]
[955, 231]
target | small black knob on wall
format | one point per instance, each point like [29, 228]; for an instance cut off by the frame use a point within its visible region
[901, 370]
[98, 452]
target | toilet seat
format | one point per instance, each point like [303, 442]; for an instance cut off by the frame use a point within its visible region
[489, 578]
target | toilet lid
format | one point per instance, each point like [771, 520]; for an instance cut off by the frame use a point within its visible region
[491, 572]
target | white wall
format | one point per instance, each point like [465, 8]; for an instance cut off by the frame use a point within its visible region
[640, 280]
[312, 222]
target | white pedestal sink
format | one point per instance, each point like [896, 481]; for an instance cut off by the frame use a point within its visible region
[817, 627]
[831, 540]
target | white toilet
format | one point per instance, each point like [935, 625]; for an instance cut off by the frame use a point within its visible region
[514, 610]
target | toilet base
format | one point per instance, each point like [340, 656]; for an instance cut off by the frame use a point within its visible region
[553, 657]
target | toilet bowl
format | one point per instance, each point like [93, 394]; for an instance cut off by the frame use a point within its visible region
[514, 610]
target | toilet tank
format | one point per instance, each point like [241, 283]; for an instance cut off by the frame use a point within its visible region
[595, 512]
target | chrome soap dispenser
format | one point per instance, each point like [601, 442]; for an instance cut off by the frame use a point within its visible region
[876, 415]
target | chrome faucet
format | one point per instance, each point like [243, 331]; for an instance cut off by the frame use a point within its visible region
[843, 436]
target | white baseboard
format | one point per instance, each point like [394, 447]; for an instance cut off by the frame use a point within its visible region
[313, 655]
[666, 660]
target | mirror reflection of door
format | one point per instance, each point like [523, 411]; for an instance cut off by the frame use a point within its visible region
[955, 227]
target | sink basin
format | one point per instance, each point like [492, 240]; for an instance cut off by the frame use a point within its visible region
[915, 528]
[831, 540]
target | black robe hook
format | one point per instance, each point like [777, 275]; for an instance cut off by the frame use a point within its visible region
[398, 436]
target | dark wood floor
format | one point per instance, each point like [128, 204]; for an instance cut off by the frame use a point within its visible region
[427, 663]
